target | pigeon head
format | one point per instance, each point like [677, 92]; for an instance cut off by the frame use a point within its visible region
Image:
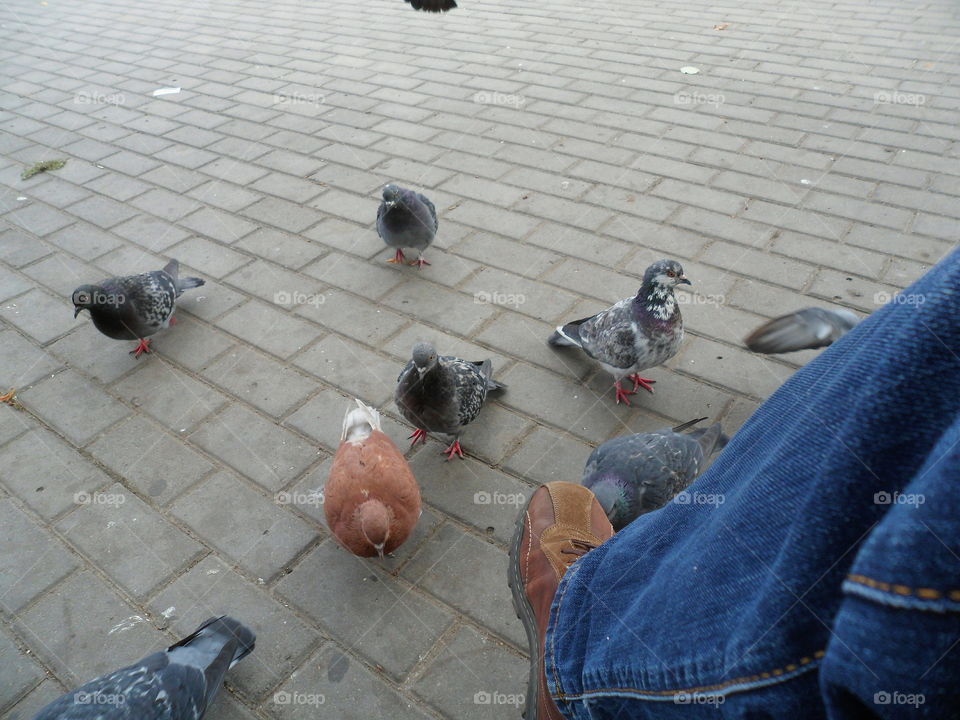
[392, 194]
[88, 297]
[665, 274]
[424, 357]
[374, 524]
[612, 496]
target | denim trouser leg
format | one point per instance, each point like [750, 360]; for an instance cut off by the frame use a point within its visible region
[824, 579]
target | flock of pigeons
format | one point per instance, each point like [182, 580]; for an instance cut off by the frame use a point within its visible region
[371, 498]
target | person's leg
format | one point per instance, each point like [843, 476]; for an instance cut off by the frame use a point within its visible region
[736, 602]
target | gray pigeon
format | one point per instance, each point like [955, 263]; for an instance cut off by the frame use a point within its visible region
[636, 474]
[635, 334]
[442, 394]
[803, 330]
[136, 306]
[406, 219]
[178, 683]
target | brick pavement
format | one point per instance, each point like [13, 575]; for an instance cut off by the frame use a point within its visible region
[813, 159]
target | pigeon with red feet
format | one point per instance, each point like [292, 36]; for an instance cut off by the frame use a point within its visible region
[635, 334]
[406, 219]
[136, 306]
[442, 394]
[805, 329]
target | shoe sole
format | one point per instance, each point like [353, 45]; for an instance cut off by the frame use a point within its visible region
[525, 614]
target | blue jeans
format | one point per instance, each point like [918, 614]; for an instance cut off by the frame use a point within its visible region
[815, 572]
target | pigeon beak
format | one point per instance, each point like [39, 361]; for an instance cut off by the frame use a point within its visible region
[76, 311]
[683, 281]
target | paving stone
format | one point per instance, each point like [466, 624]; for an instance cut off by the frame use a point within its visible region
[349, 238]
[265, 453]
[368, 611]
[165, 204]
[84, 629]
[88, 350]
[546, 456]
[37, 699]
[40, 219]
[39, 315]
[33, 560]
[260, 381]
[258, 533]
[12, 284]
[351, 368]
[21, 362]
[89, 411]
[149, 460]
[18, 673]
[218, 224]
[102, 211]
[17, 248]
[351, 316]
[281, 248]
[13, 423]
[333, 683]
[475, 676]
[210, 589]
[46, 474]
[84, 240]
[191, 343]
[169, 394]
[282, 214]
[438, 306]
[273, 330]
[482, 593]
[208, 257]
[136, 547]
[358, 276]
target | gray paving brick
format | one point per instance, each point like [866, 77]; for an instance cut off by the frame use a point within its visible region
[150, 233]
[112, 633]
[475, 677]
[22, 363]
[352, 368]
[209, 257]
[258, 534]
[439, 306]
[368, 611]
[102, 211]
[88, 350]
[33, 560]
[441, 568]
[256, 379]
[37, 699]
[136, 547]
[18, 248]
[218, 224]
[18, 672]
[149, 460]
[149, 390]
[282, 214]
[333, 682]
[40, 219]
[90, 410]
[265, 453]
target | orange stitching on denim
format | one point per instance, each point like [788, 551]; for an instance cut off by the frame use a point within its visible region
[898, 589]
[776, 672]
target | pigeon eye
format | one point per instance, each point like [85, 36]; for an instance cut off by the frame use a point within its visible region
[671, 273]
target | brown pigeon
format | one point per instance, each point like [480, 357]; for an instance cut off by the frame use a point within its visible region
[371, 499]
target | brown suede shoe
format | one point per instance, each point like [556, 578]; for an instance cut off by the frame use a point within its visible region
[561, 523]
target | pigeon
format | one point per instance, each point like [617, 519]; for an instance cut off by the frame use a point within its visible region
[434, 6]
[406, 219]
[805, 329]
[178, 683]
[371, 499]
[136, 306]
[441, 394]
[635, 334]
[636, 474]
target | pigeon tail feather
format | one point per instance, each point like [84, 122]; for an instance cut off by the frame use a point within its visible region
[689, 424]
[359, 422]
[710, 439]
[486, 369]
[567, 335]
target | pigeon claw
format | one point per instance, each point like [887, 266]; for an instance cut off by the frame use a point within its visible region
[398, 258]
[419, 262]
[454, 449]
[418, 434]
[142, 347]
[639, 382]
[621, 394]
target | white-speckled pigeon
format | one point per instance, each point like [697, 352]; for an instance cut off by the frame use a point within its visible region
[434, 6]
[635, 334]
[805, 329]
[136, 306]
[636, 474]
[178, 683]
[406, 219]
[442, 394]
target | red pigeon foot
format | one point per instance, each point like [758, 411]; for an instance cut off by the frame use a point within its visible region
[418, 434]
[454, 449]
[639, 382]
[142, 347]
[419, 262]
[173, 321]
[398, 258]
[622, 395]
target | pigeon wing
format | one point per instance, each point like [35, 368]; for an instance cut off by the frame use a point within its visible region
[805, 329]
